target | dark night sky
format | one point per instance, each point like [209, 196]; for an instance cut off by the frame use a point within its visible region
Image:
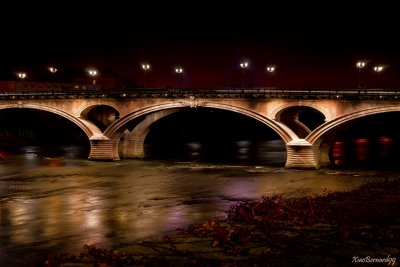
[312, 46]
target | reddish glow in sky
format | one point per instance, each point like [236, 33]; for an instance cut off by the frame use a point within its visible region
[310, 49]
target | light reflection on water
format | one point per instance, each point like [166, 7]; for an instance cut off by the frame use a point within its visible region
[243, 151]
[47, 207]
[366, 152]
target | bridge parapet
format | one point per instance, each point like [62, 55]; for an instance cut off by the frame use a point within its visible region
[350, 94]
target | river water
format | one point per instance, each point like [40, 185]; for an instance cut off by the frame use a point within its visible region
[52, 204]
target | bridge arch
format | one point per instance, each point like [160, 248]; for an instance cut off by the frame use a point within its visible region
[314, 136]
[87, 127]
[302, 119]
[115, 131]
[275, 114]
[102, 115]
[323, 142]
[85, 109]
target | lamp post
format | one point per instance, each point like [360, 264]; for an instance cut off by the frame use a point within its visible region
[179, 71]
[244, 66]
[145, 68]
[53, 72]
[378, 70]
[360, 65]
[270, 69]
[21, 76]
[93, 73]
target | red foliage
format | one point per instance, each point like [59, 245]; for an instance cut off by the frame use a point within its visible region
[339, 211]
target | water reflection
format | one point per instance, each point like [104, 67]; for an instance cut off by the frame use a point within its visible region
[46, 209]
[366, 152]
[243, 151]
[193, 150]
[361, 147]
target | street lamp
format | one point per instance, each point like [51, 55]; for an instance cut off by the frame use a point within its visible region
[145, 68]
[179, 71]
[244, 66]
[378, 70]
[270, 69]
[53, 72]
[21, 76]
[360, 65]
[93, 73]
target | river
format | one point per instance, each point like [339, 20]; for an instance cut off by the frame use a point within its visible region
[57, 203]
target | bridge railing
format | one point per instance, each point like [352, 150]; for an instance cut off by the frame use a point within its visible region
[71, 92]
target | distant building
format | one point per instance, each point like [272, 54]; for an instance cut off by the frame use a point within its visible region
[101, 83]
[26, 86]
[6, 86]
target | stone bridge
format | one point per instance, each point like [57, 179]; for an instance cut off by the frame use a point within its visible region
[123, 119]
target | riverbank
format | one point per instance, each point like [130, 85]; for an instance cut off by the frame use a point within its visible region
[359, 227]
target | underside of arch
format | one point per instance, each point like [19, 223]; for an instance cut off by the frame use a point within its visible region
[301, 119]
[117, 129]
[88, 128]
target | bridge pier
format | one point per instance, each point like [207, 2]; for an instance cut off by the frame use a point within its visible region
[134, 146]
[324, 159]
[102, 148]
[301, 154]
